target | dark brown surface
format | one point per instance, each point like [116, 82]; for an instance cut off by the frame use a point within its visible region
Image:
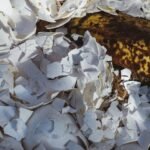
[126, 38]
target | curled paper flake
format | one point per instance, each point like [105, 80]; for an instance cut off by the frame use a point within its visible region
[56, 13]
[14, 20]
[145, 8]
[138, 8]
[45, 10]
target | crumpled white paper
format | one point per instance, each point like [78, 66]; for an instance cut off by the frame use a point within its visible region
[35, 61]
[18, 19]
[28, 74]
[51, 90]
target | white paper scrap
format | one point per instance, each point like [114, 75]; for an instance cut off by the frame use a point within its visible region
[16, 128]
[96, 136]
[54, 70]
[114, 111]
[144, 139]
[6, 114]
[24, 114]
[23, 94]
[68, 109]
[90, 119]
[109, 133]
[63, 84]
[58, 104]
[73, 146]
[125, 74]
[126, 136]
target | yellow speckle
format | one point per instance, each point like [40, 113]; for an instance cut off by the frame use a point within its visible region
[146, 67]
[141, 42]
[146, 58]
[141, 45]
[136, 60]
[115, 45]
[138, 52]
[145, 48]
[120, 45]
[117, 51]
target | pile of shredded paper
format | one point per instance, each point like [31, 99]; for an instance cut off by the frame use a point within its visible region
[55, 95]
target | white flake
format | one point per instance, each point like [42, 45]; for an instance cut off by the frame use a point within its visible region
[114, 111]
[23, 94]
[73, 146]
[68, 109]
[96, 136]
[6, 114]
[63, 84]
[125, 74]
[144, 139]
[126, 136]
[16, 128]
[54, 70]
[24, 114]
[109, 133]
[58, 104]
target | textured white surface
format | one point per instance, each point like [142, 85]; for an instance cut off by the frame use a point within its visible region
[55, 96]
